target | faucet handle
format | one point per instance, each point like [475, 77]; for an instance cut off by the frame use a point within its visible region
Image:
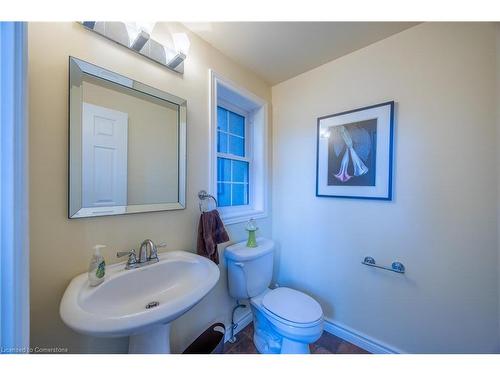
[132, 258]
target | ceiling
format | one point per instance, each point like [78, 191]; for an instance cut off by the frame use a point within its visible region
[277, 51]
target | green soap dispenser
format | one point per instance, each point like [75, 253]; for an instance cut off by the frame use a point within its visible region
[97, 267]
[251, 228]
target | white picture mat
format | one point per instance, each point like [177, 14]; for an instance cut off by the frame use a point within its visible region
[383, 154]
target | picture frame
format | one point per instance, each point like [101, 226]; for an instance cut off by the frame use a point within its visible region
[354, 153]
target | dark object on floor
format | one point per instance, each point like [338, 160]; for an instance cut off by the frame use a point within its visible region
[327, 344]
[209, 342]
[211, 232]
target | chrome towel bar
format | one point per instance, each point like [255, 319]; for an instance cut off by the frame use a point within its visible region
[397, 267]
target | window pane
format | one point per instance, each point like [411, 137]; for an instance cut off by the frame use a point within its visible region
[236, 124]
[223, 194]
[223, 170]
[221, 142]
[236, 145]
[240, 192]
[240, 171]
[221, 119]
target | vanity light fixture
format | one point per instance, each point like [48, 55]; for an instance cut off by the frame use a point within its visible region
[176, 61]
[139, 33]
[136, 36]
[181, 44]
[140, 40]
[89, 24]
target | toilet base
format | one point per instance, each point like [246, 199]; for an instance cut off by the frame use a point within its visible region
[267, 344]
[268, 340]
[294, 347]
[265, 339]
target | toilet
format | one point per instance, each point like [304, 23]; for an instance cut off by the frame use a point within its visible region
[285, 320]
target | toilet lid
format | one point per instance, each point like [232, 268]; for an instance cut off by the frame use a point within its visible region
[292, 305]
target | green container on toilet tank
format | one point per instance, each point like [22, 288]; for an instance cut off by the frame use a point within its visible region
[251, 228]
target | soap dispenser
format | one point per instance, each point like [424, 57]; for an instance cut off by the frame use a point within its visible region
[97, 267]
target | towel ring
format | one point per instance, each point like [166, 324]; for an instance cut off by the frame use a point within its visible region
[202, 195]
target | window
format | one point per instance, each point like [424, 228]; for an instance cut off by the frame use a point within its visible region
[238, 162]
[233, 159]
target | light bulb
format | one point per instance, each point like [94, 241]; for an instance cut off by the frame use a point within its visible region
[146, 26]
[139, 33]
[181, 42]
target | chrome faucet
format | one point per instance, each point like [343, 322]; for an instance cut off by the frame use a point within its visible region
[147, 251]
[148, 254]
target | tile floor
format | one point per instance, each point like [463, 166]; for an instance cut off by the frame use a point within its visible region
[327, 344]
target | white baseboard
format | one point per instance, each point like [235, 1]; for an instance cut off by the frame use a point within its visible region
[242, 322]
[347, 334]
[356, 338]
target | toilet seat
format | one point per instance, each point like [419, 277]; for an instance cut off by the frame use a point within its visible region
[292, 307]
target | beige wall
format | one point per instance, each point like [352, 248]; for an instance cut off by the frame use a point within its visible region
[152, 168]
[442, 223]
[60, 248]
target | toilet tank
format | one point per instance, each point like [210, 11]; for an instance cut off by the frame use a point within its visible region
[249, 269]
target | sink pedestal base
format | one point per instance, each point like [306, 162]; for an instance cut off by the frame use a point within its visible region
[155, 340]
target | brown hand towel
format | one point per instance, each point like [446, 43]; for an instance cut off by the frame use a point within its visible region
[211, 232]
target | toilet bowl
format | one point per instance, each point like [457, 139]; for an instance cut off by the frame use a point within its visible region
[285, 320]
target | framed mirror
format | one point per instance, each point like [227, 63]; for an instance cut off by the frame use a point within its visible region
[127, 145]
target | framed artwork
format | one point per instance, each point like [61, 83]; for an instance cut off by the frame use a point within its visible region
[354, 153]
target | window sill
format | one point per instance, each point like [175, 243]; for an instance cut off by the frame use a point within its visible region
[240, 216]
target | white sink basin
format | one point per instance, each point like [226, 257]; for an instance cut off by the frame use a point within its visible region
[117, 307]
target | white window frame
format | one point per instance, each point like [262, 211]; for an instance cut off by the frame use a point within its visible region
[14, 197]
[224, 93]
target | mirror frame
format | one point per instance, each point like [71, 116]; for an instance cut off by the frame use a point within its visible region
[79, 67]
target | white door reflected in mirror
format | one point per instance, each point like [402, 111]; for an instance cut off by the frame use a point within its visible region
[104, 158]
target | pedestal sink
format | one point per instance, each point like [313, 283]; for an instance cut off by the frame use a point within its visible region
[141, 302]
